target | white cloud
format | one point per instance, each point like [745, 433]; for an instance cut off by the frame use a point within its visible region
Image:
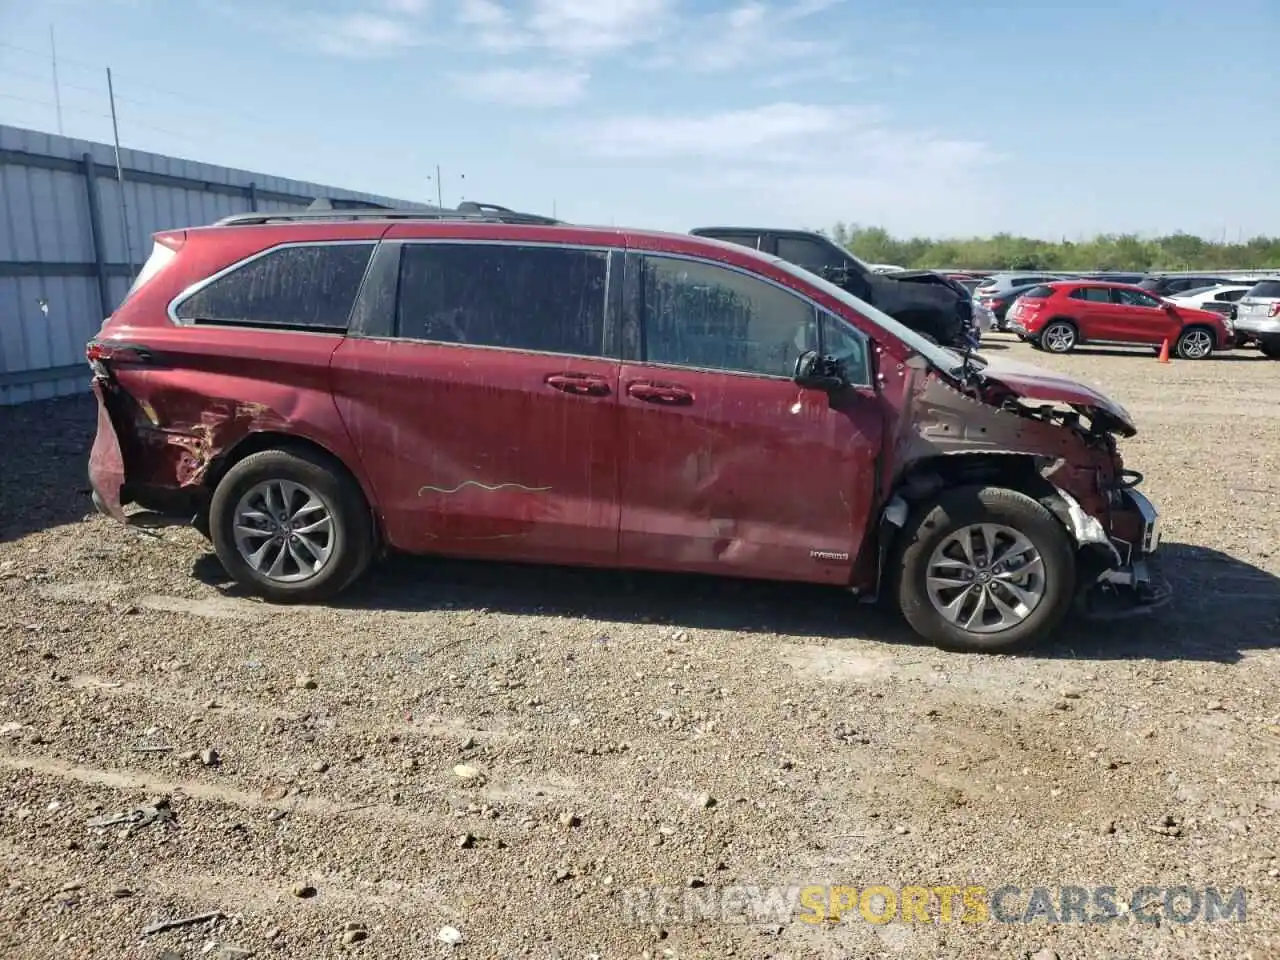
[483, 13]
[494, 26]
[820, 162]
[360, 35]
[408, 8]
[751, 33]
[526, 88]
[577, 29]
[595, 27]
[774, 131]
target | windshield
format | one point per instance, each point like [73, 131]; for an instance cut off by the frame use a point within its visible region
[940, 357]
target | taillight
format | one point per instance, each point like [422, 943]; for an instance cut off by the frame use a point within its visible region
[1274, 310]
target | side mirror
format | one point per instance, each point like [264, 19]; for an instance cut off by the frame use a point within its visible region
[816, 372]
[837, 275]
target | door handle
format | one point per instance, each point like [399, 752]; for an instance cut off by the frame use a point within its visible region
[579, 383]
[666, 393]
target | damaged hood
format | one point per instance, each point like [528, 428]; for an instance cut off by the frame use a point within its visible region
[1032, 383]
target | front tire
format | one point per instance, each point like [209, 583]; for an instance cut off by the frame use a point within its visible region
[292, 526]
[1011, 585]
[1195, 343]
[1270, 349]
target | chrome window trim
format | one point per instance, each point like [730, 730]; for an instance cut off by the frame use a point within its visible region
[818, 308]
[193, 289]
[606, 250]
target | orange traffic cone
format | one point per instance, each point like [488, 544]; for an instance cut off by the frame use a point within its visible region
[1164, 351]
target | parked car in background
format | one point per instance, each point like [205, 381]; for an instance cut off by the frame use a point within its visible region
[1164, 285]
[1222, 298]
[998, 304]
[1258, 317]
[1112, 277]
[319, 390]
[923, 300]
[1058, 317]
[1001, 283]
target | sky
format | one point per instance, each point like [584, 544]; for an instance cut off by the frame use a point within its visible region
[925, 117]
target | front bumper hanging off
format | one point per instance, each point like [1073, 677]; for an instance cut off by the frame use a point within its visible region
[1137, 584]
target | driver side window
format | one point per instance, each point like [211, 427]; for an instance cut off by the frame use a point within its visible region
[1133, 298]
[702, 315]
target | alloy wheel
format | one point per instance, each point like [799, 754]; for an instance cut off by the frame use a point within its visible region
[1196, 344]
[985, 578]
[1058, 338]
[284, 531]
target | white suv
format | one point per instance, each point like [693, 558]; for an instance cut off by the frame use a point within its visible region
[1258, 316]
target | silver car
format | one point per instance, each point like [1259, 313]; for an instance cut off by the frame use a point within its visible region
[1258, 316]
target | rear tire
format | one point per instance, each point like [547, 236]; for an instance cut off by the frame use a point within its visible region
[326, 513]
[1271, 349]
[1059, 336]
[935, 531]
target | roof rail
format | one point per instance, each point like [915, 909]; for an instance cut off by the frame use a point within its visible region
[341, 203]
[466, 211]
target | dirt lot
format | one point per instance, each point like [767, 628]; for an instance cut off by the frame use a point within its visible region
[630, 732]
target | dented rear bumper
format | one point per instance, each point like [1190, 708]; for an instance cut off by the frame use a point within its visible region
[106, 460]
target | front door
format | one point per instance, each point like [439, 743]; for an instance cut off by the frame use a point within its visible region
[485, 412]
[1140, 317]
[728, 466]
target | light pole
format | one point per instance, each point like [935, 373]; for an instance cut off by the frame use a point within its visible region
[439, 181]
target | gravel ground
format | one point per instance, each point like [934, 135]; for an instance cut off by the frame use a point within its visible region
[512, 752]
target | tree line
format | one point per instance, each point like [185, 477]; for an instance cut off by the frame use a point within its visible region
[1004, 251]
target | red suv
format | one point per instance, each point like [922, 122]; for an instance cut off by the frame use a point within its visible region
[317, 389]
[1060, 316]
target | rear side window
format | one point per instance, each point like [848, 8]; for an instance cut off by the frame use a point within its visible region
[298, 287]
[1038, 293]
[1265, 288]
[1092, 294]
[701, 315]
[541, 298]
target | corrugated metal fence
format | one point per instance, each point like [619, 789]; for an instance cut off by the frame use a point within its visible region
[67, 256]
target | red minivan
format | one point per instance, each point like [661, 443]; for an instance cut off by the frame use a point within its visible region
[317, 389]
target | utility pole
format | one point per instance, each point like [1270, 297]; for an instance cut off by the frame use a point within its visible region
[124, 204]
[439, 188]
[57, 90]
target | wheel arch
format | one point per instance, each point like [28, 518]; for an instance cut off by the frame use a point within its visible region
[924, 480]
[1063, 318]
[1201, 325]
[260, 440]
